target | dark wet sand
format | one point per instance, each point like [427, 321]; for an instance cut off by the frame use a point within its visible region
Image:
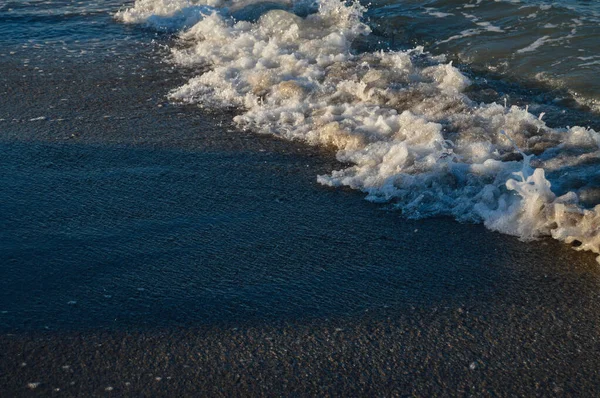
[420, 352]
[149, 244]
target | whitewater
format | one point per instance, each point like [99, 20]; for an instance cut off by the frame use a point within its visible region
[401, 121]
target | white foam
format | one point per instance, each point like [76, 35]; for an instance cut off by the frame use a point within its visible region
[597, 62]
[438, 14]
[169, 15]
[483, 26]
[399, 118]
[535, 45]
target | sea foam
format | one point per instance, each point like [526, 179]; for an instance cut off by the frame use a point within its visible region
[400, 118]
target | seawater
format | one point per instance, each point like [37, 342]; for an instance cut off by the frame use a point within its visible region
[552, 43]
[485, 111]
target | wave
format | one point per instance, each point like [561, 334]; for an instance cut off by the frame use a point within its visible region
[401, 119]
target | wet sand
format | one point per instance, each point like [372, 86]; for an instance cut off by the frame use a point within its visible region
[152, 244]
[418, 352]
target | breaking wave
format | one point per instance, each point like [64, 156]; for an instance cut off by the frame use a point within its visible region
[401, 119]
